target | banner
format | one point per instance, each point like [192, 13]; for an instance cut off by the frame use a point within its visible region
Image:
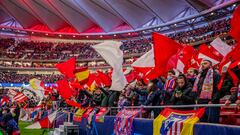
[124, 120]
[176, 122]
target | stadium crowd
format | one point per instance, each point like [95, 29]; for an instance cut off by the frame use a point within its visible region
[175, 89]
[83, 50]
[13, 77]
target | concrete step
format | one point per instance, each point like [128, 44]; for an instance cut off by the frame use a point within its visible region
[58, 131]
[67, 123]
[61, 127]
[50, 133]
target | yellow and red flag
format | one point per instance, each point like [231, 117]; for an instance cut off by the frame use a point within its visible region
[82, 74]
[175, 122]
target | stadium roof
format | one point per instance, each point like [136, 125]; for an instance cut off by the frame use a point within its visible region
[96, 16]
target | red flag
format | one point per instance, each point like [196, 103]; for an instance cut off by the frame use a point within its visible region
[103, 78]
[181, 59]
[209, 53]
[231, 56]
[67, 67]
[131, 76]
[73, 103]
[64, 90]
[164, 49]
[235, 27]
[76, 85]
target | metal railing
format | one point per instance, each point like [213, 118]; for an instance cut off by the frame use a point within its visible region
[174, 106]
[195, 106]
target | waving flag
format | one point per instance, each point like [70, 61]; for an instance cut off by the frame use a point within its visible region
[110, 51]
[220, 46]
[130, 75]
[64, 89]
[208, 53]
[20, 97]
[67, 67]
[46, 122]
[36, 84]
[175, 122]
[235, 27]
[103, 79]
[145, 62]
[164, 49]
[4, 100]
[82, 74]
[181, 60]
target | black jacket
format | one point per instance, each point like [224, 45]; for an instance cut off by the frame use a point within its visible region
[226, 86]
[234, 96]
[215, 94]
[186, 97]
[154, 98]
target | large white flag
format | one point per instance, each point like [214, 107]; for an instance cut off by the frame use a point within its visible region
[146, 60]
[220, 46]
[110, 51]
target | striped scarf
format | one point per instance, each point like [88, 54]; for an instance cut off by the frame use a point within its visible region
[170, 85]
[207, 88]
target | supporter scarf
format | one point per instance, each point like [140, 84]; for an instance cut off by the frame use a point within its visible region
[170, 85]
[207, 87]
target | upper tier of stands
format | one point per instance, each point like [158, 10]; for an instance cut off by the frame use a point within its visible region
[31, 50]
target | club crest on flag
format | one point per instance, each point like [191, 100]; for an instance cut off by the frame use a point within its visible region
[173, 123]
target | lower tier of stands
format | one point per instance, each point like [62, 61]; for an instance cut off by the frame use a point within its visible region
[145, 127]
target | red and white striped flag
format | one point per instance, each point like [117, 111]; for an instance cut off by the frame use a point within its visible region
[4, 100]
[44, 123]
[12, 93]
[20, 97]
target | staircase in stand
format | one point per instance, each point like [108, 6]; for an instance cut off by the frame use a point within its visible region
[66, 129]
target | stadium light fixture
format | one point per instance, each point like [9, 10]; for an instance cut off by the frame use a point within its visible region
[46, 34]
[101, 36]
[86, 36]
[114, 35]
[74, 36]
[32, 32]
[60, 35]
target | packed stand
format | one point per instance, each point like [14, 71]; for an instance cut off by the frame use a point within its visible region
[50, 50]
[13, 77]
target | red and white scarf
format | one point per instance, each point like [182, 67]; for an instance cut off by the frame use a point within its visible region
[207, 87]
